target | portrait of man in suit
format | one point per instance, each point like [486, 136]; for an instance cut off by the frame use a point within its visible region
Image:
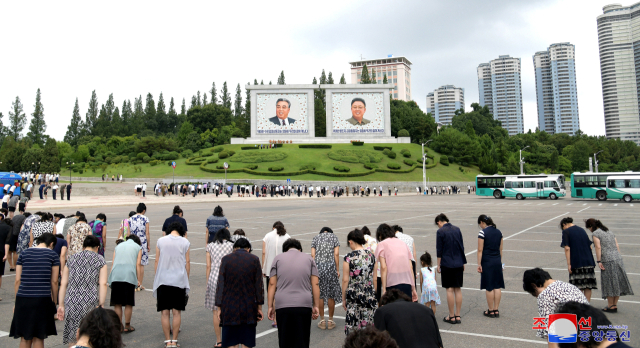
[358, 108]
[283, 106]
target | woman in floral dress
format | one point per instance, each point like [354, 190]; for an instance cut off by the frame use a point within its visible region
[25, 232]
[220, 247]
[358, 284]
[139, 225]
[325, 250]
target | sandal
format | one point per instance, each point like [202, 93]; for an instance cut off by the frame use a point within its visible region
[458, 321]
[449, 320]
[496, 313]
[489, 313]
[321, 325]
[175, 343]
[128, 328]
[168, 344]
[609, 309]
[218, 345]
[331, 324]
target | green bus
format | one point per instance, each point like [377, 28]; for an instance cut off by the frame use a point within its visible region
[521, 186]
[602, 186]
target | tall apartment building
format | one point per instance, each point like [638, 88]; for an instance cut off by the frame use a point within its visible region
[444, 101]
[397, 69]
[500, 90]
[556, 89]
[619, 40]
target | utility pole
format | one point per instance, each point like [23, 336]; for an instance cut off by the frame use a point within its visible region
[595, 159]
[522, 161]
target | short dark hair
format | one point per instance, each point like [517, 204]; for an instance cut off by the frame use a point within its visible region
[326, 229]
[102, 327]
[383, 232]
[369, 337]
[134, 238]
[132, 213]
[177, 210]
[284, 100]
[217, 211]
[239, 232]
[441, 218]
[365, 230]
[141, 208]
[393, 295]
[102, 217]
[537, 277]
[426, 259]
[397, 228]
[176, 226]
[581, 310]
[279, 226]
[82, 218]
[564, 221]
[357, 237]
[222, 235]
[48, 239]
[91, 241]
[242, 243]
[358, 100]
[291, 243]
[58, 215]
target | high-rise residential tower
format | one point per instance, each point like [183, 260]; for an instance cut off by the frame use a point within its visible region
[500, 89]
[397, 69]
[444, 101]
[556, 89]
[619, 40]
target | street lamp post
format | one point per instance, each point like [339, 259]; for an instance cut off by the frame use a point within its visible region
[424, 169]
[595, 159]
[72, 163]
[522, 161]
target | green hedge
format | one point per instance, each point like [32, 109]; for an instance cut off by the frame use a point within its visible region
[223, 154]
[259, 156]
[429, 166]
[217, 149]
[355, 156]
[370, 166]
[249, 148]
[195, 161]
[276, 168]
[357, 143]
[222, 167]
[252, 167]
[314, 146]
[309, 167]
[212, 160]
[444, 160]
[203, 167]
[393, 165]
[402, 171]
[381, 148]
[409, 162]
[154, 162]
[391, 155]
[342, 169]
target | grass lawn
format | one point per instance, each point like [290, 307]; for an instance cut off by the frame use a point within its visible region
[296, 158]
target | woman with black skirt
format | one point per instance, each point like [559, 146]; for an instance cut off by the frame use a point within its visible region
[580, 263]
[490, 264]
[34, 308]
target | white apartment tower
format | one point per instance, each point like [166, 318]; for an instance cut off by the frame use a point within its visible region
[397, 69]
[556, 89]
[619, 40]
[444, 101]
[500, 90]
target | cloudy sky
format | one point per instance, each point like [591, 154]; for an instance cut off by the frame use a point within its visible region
[130, 48]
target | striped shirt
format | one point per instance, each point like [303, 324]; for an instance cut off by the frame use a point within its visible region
[36, 263]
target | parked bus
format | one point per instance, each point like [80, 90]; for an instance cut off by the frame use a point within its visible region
[602, 186]
[521, 186]
[8, 179]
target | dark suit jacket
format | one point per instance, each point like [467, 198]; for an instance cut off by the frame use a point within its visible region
[410, 324]
[275, 120]
[240, 290]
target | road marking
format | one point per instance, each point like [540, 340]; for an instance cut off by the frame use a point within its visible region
[541, 204]
[600, 204]
[553, 252]
[583, 209]
[264, 333]
[615, 205]
[493, 336]
[526, 293]
[545, 268]
[3, 333]
[555, 203]
[585, 204]
[525, 230]
[631, 205]
[555, 241]
[569, 203]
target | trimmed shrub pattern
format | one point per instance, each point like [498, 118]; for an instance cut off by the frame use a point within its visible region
[393, 165]
[357, 143]
[342, 169]
[381, 148]
[409, 162]
[444, 161]
[276, 168]
[314, 146]
[259, 156]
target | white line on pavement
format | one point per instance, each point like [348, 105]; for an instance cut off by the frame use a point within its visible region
[583, 209]
[555, 241]
[493, 336]
[3, 333]
[554, 252]
[526, 293]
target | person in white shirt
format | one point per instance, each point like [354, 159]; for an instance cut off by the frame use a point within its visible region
[318, 191]
[55, 189]
[144, 190]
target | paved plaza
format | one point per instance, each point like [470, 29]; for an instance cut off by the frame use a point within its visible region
[531, 238]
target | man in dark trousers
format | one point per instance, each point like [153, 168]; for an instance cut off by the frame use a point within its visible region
[40, 191]
[69, 192]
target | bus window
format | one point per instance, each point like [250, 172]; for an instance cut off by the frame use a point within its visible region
[507, 184]
[602, 180]
[517, 184]
[561, 181]
[613, 184]
[579, 181]
[529, 184]
[592, 180]
[634, 183]
[550, 184]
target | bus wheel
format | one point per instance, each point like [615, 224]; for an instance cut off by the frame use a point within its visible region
[497, 194]
[601, 196]
[553, 196]
[627, 198]
[519, 196]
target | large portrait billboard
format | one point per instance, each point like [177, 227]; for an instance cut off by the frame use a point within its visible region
[355, 112]
[282, 113]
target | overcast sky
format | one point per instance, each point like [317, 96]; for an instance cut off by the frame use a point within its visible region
[130, 48]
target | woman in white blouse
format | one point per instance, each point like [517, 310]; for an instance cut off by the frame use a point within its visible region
[272, 247]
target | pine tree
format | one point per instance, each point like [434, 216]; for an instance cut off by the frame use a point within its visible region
[320, 125]
[384, 79]
[194, 102]
[330, 79]
[237, 105]
[92, 114]
[342, 80]
[364, 76]
[226, 97]
[138, 116]
[172, 118]
[281, 78]
[75, 127]
[255, 82]
[262, 82]
[204, 99]
[38, 126]
[116, 123]
[183, 108]
[162, 121]
[150, 113]
[269, 83]
[214, 94]
[127, 115]
[247, 112]
[3, 129]
[198, 99]
[50, 162]
[103, 124]
[322, 93]
[17, 120]
[374, 79]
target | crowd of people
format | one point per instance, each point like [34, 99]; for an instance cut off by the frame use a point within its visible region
[60, 262]
[25, 188]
